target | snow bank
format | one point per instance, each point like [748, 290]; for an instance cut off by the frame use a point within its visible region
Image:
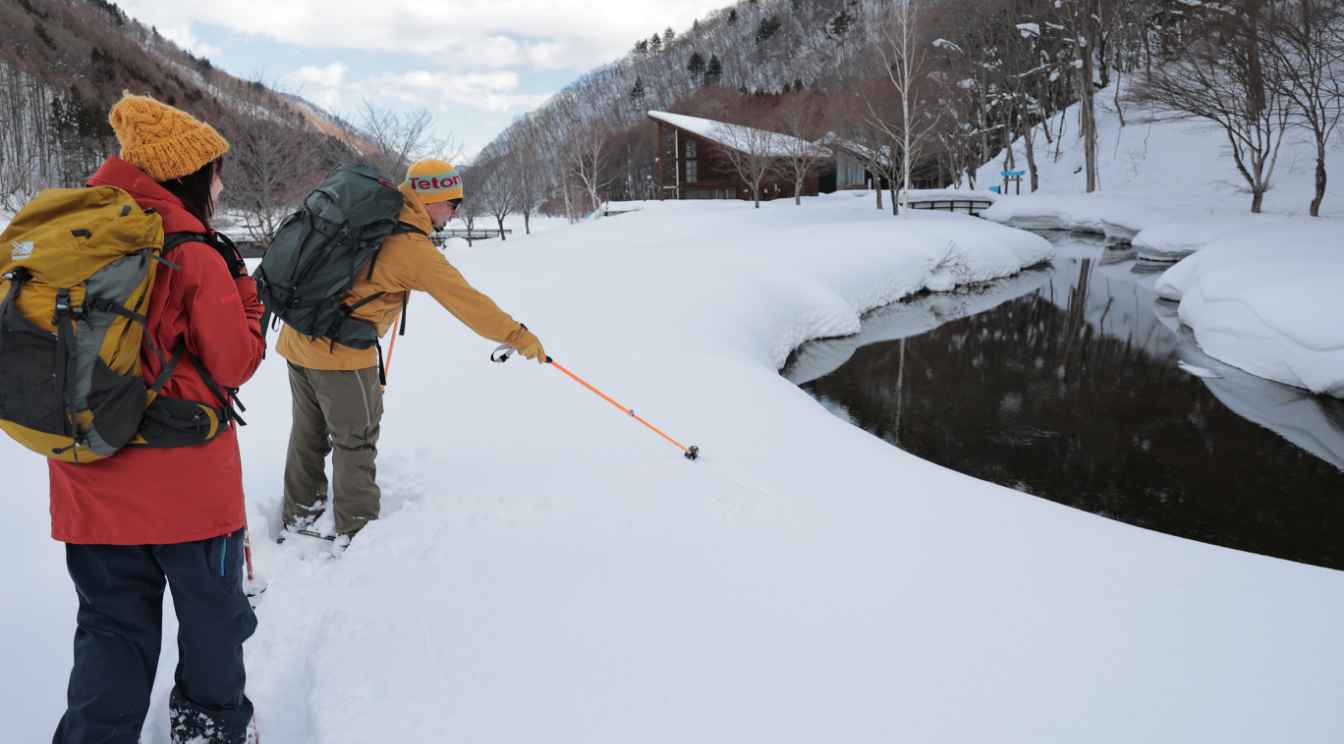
[1269, 301]
[1168, 186]
[547, 569]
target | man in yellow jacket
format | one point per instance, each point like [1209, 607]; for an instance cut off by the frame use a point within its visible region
[338, 401]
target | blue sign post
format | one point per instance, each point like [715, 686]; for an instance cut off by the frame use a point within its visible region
[1016, 177]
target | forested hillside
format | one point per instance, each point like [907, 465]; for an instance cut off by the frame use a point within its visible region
[935, 88]
[65, 62]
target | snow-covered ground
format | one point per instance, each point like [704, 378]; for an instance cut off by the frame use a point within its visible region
[1268, 301]
[1168, 186]
[546, 569]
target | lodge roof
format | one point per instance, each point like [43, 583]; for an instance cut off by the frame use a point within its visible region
[735, 136]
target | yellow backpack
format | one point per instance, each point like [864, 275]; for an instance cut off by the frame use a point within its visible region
[78, 266]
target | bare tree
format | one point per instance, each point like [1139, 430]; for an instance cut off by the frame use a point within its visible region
[399, 139]
[1082, 21]
[525, 146]
[273, 167]
[799, 157]
[496, 190]
[1305, 45]
[1221, 78]
[588, 155]
[861, 140]
[905, 59]
[880, 138]
[472, 208]
[1024, 67]
[753, 154]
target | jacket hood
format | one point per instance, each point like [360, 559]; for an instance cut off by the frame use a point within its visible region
[145, 191]
[414, 212]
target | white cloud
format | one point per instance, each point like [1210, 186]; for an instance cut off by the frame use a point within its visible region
[330, 76]
[182, 36]
[461, 34]
[436, 90]
[467, 61]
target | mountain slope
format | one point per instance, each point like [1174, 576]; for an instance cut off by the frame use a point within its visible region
[65, 62]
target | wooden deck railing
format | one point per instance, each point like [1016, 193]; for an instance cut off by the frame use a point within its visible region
[970, 206]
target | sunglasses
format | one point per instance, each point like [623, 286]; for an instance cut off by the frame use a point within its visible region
[457, 203]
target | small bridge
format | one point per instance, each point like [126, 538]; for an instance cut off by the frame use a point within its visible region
[972, 206]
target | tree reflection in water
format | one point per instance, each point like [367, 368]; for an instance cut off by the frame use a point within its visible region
[1033, 395]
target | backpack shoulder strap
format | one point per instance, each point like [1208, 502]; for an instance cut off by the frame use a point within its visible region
[402, 228]
[174, 239]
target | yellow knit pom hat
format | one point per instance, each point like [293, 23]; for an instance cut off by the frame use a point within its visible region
[434, 181]
[163, 141]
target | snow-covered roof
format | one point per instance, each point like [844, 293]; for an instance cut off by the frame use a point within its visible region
[736, 136]
[863, 152]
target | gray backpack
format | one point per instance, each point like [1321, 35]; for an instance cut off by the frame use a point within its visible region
[319, 250]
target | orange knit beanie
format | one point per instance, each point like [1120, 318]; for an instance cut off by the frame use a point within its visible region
[163, 141]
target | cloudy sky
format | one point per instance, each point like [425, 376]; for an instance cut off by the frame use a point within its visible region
[474, 64]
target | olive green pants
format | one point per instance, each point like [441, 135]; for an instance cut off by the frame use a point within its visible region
[336, 412]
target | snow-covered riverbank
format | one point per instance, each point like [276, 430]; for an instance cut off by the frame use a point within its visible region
[1266, 302]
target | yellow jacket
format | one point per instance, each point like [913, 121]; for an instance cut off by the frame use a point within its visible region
[408, 261]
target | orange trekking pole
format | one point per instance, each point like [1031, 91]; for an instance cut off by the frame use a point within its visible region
[392, 347]
[692, 452]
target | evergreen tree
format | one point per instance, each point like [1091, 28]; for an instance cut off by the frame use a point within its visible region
[714, 72]
[767, 28]
[642, 47]
[732, 16]
[798, 84]
[656, 44]
[841, 24]
[668, 36]
[788, 88]
[637, 92]
[696, 65]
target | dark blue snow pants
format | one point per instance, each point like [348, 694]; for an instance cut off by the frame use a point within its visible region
[118, 636]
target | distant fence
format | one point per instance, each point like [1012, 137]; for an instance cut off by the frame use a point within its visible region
[972, 207]
[470, 235]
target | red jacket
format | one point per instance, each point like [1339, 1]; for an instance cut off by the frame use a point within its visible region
[146, 496]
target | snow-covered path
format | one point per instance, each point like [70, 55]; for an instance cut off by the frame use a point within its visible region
[546, 569]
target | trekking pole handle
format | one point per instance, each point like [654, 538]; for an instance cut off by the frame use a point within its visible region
[504, 352]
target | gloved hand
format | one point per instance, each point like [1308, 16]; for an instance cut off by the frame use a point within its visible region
[230, 253]
[529, 346]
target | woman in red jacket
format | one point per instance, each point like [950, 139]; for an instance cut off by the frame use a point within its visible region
[149, 518]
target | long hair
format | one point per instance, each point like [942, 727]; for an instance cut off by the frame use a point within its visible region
[194, 190]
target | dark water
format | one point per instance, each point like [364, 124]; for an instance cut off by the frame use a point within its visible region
[1075, 384]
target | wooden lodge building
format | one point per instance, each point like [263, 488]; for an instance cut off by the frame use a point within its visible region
[692, 161]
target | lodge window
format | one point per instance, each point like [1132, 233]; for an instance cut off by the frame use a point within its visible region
[692, 169]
